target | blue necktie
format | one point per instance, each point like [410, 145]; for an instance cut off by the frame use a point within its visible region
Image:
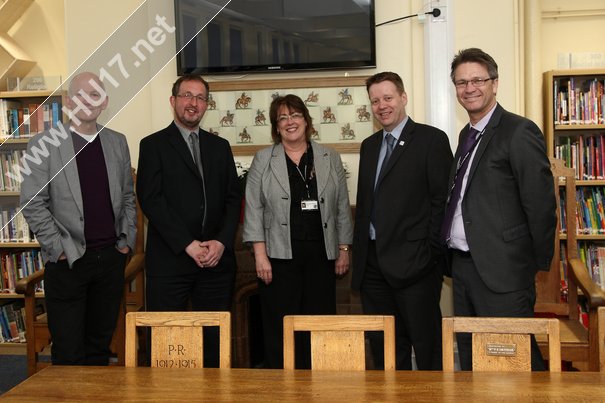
[390, 139]
[463, 157]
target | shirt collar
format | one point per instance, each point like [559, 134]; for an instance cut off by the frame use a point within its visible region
[397, 130]
[185, 132]
[480, 126]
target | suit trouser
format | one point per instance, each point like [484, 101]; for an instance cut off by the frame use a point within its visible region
[417, 315]
[472, 297]
[208, 289]
[303, 285]
[83, 304]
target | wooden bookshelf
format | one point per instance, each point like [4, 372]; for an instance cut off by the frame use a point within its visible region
[574, 128]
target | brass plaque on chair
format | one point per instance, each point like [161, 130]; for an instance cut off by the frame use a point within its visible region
[503, 350]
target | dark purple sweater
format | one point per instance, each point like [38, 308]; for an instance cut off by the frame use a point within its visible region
[99, 228]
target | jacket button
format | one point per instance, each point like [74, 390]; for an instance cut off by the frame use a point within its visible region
[325, 225]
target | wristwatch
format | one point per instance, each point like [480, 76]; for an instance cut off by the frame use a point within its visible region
[344, 247]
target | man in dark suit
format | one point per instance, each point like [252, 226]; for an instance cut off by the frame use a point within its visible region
[397, 264]
[500, 220]
[188, 188]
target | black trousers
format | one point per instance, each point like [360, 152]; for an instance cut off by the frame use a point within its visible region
[303, 285]
[473, 298]
[83, 304]
[209, 289]
[417, 315]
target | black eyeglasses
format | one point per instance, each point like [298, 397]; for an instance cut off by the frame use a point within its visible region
[476, 82]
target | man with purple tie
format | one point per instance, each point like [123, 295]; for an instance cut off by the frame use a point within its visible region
[500, 218]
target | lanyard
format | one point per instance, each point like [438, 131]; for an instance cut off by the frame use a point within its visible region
[462, 160]
[304, 177]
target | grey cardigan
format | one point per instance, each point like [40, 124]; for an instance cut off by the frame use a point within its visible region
[267, 213]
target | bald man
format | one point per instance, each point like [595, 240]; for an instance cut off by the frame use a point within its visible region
[79, 201]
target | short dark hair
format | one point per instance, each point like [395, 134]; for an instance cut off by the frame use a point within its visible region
[176, 87]
[293, 103]
[386, 76]
[475, 55]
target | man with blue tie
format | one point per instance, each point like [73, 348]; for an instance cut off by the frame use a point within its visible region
[397, 253]
[500, 219]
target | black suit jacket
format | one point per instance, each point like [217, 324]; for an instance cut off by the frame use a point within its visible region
[169, 188]
[410, 199]
[509, 203]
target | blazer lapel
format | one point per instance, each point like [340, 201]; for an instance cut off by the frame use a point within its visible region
[321, 161]
[372, 151]
[400, 146]
[279, 167]
[112, 165]
[67, 152]
[488, 134]
[182, 148]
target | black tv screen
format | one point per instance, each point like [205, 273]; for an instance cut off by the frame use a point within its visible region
[274, 35]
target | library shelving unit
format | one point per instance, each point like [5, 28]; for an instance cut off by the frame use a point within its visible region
[575, 132]
[573, 290]
[19, 252]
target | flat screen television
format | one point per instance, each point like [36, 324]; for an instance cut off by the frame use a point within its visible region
[274, 35]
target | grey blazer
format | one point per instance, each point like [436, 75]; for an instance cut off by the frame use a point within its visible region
[52, 199]
[267, 213]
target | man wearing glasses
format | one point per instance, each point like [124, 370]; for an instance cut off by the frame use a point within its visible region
[500, 218]
[188, 188]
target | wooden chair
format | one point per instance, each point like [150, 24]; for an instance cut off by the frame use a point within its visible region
[177, 337]
[601, 338]
[578, 344]
[338, 341]
[501, 344]
[36, 325]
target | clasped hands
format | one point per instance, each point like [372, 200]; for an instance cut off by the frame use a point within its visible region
[205, 254]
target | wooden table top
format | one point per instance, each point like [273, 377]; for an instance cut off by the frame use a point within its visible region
[113, 384]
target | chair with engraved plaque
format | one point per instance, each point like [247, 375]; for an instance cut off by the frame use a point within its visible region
[501, 344]
[177, 338]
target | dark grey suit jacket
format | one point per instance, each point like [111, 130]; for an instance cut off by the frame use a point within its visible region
[509, 203]
[169, 188]
[409, 202]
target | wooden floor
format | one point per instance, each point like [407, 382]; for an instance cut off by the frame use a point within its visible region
[115, 384]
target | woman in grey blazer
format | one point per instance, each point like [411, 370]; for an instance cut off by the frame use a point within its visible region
[298, 219]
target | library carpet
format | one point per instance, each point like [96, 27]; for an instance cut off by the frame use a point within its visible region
[13, 370]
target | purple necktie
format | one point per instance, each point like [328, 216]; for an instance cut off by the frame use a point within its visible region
[463, 157]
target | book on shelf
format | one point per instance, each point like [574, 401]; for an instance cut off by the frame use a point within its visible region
[24, 128]
[10, 169]
[33, 118]
[12, 322]
[593, 256]
[579, 100]
[46, 116]
[585, 154]
[14, 227]
[16, 265]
